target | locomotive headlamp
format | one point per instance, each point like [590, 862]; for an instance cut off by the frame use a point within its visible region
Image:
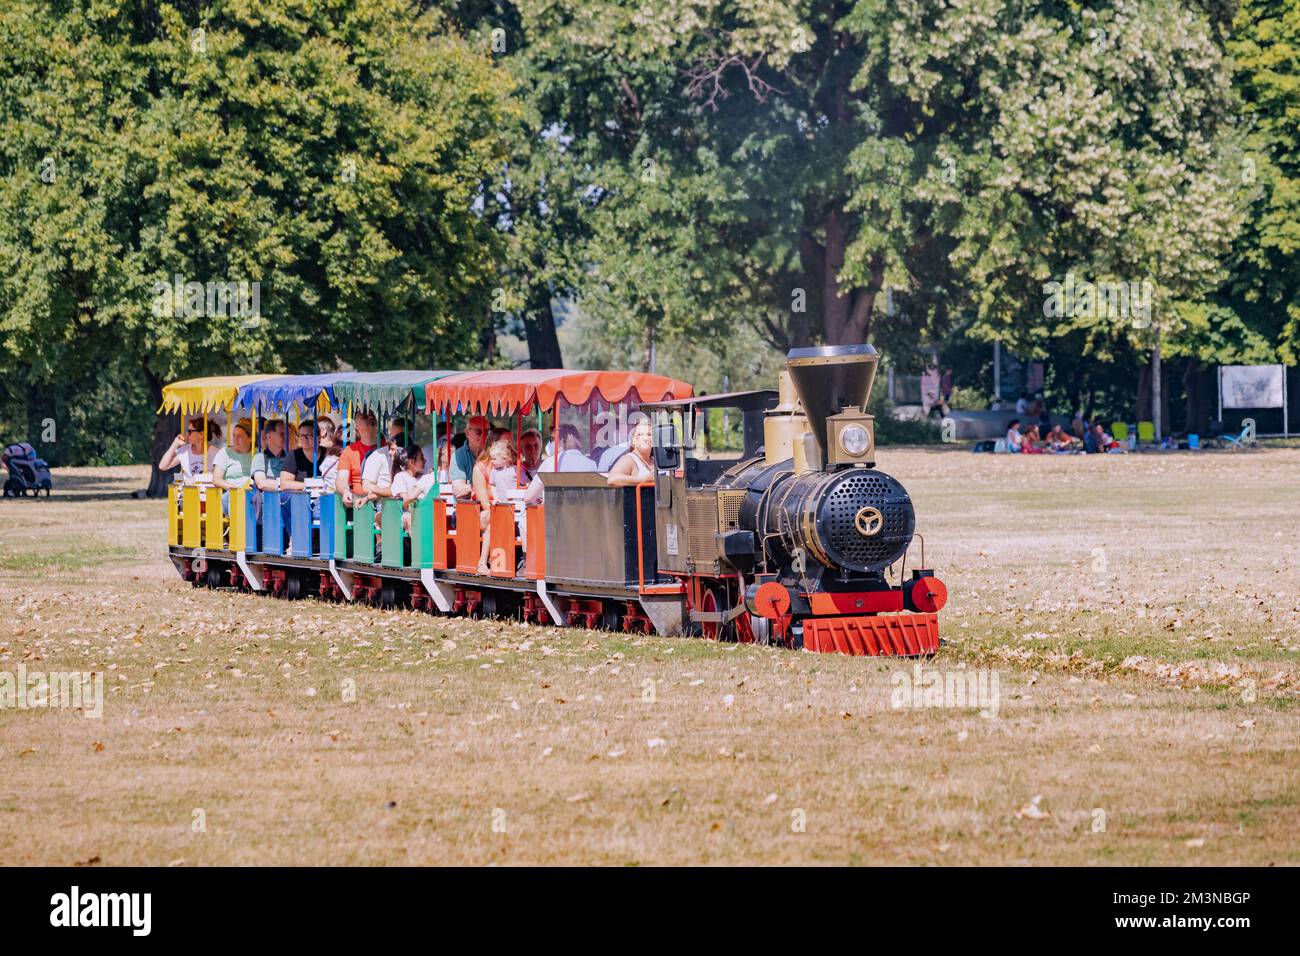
[851, 439]
[855, 440]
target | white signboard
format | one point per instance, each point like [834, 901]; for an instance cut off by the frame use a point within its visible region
[1252, 386]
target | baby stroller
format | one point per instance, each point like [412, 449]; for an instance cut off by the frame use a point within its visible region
[28, 473]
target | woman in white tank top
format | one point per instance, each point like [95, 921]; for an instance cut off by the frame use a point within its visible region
[637, 465]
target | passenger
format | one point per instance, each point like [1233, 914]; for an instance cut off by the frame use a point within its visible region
[636, 466]
[377, 474]
[571, 458]
[186, 451]
[273, 460]
[270, 466]
[444, 464]
[347, 481]
[612, 456]
[530, 452]
[1030, 445]
[462, 461]
[401, 432]
[409, 485]
[327, 453]
[233, 466]
[501, 481]
[310, 461]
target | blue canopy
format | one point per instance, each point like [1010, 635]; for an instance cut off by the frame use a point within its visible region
[310, 393]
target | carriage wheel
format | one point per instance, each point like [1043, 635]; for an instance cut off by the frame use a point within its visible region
[292, 586]
[214, 576]
[388, 594]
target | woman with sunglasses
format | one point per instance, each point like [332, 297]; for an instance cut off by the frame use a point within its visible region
[187, 450]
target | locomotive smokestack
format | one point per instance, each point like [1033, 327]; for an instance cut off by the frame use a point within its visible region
[830, 379]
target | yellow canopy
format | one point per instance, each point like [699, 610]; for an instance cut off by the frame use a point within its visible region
[199, 395]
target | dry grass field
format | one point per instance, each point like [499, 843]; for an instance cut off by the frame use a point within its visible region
[1140, 613]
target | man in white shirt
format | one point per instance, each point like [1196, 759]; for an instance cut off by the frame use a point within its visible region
[377, 474]
[571, 459]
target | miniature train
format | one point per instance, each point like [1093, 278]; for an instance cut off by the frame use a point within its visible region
[794, 540]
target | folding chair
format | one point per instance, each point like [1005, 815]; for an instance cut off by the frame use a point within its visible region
[1119, 431]
[1244, 440]
[1147, 433]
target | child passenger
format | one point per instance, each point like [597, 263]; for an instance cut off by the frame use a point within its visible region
[408, 483]
[502, 478]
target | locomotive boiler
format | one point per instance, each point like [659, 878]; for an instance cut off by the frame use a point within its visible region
[802, 540]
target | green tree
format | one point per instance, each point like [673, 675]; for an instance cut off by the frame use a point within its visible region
[335, 153]
[872, 169]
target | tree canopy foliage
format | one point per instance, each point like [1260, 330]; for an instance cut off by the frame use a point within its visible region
[694, 179]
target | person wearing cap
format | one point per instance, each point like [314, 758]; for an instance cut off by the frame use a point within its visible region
[353, 458]
[462, 461]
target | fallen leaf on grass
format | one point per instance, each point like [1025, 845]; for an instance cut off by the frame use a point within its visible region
[1032, 811]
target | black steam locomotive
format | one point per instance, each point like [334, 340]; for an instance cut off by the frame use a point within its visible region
[795, 542]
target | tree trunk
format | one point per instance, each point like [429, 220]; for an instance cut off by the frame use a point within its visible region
[1142, 408]
[650, 359]
[543, 343]
[165, 428]
[846, 318]
[487, 341]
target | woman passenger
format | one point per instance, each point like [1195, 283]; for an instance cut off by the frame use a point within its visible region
[186, 452]
[233, 466]
[637, 465]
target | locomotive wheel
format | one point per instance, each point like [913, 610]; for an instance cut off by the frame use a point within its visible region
[292, 586]
[753, 630]
[712, 601]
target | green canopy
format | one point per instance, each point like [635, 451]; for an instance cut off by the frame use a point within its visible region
[387, 393]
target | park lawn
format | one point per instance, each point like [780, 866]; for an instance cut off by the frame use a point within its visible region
[1145, 699]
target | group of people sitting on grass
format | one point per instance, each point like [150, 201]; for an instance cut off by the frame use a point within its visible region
[480, 464]
[1085, 439]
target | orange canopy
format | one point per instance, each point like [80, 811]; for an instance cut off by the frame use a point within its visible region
[504, 392]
